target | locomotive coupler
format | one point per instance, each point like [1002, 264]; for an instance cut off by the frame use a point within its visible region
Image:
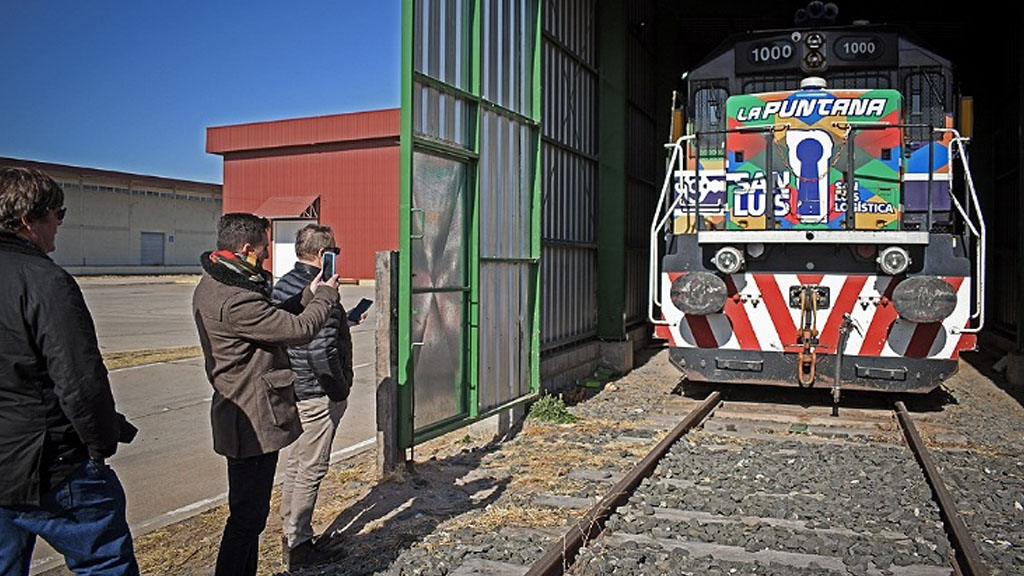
[808, 335]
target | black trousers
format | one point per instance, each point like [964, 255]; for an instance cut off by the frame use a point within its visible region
[250, 482]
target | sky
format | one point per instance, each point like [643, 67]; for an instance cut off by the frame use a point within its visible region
[132, 85]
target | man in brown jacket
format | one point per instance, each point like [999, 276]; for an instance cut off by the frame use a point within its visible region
[244, 339]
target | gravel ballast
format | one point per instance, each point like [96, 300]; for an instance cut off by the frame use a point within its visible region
[757, 506]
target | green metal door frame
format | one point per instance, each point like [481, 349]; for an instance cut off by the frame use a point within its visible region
[469, 154]
[611, 220]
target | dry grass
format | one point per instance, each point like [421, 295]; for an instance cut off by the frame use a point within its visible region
[130, 358]
[186, 548]
[548, 452]
[501, 516]
[190, 546]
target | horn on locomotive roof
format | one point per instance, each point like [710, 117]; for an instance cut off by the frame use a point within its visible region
[816, 12]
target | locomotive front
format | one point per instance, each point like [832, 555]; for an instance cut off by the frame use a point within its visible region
[814, 237]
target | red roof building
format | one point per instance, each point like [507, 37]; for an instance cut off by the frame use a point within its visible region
[339, 170]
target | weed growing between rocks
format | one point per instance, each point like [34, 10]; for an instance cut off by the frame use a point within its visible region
[551, 409]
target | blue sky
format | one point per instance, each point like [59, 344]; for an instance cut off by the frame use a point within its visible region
[132, 85]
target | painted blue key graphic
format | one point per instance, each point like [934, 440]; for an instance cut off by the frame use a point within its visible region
[810, 155]
[808, 151]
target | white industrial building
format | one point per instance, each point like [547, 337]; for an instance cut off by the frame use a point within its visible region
[122, 223]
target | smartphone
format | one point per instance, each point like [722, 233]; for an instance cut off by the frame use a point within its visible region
[356, 313]
[327, 265]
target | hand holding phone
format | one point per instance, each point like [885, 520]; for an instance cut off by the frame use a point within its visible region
[327, 262]
[355, 315]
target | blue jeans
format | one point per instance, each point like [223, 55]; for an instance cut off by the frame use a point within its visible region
[250, 482]
[83, 519]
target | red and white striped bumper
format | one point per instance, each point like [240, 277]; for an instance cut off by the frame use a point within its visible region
[757, 317]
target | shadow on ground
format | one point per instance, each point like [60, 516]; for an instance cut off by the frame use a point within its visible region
[990, 363]
[371, 533]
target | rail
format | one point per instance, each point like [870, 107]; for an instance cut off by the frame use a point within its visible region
[561, 554]
[967, 556]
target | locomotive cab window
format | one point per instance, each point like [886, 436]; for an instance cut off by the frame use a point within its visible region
[709, 119]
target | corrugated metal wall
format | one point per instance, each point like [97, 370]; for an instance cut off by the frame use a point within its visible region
[643, 156]
[328, 129]
[470, 132]
[568, 173]
[349, 160]
[358, 192]
[507, 171]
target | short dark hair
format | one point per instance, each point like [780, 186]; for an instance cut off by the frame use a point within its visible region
[26, 193]
[235, 229]
[311, 239]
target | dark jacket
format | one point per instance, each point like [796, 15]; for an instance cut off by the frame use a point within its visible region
[324, 366]
[56, 408]
[244, 336]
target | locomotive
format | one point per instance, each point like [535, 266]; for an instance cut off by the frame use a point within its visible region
[818, 225]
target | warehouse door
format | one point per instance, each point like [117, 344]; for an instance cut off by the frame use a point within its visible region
[470, 249]
[152, 249]
[282, 255]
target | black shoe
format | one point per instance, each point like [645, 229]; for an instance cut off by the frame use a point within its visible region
[328, 551]
[301, 555]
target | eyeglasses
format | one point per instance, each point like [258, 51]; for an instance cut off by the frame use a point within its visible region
[334, 249]
[61, 212]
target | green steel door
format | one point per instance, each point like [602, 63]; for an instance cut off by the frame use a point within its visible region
[470, 219]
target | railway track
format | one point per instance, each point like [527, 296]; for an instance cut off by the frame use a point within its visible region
[773, 488]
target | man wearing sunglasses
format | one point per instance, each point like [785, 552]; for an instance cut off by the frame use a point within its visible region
[57, 416]
[323, 378]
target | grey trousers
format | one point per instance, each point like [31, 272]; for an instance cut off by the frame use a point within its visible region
[308, 459]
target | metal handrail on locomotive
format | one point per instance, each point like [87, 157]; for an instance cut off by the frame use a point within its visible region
[818, 223]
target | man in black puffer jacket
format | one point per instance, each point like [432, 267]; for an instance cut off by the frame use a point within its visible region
[323, 377]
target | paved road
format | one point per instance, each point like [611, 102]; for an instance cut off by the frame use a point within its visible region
[170, 471]
[142, 316]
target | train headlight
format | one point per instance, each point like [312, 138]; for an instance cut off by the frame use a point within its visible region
[893, 260]
[814, 60]
[924, 299]
[699, 293]
[728, 260]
